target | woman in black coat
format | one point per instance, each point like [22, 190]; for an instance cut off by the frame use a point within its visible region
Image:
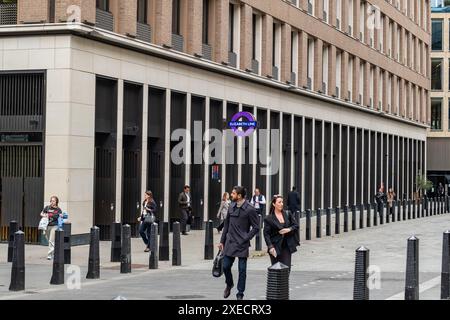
[280, 233]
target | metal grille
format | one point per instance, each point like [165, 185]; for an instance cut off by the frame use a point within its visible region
[293, 77]
[104, 20]
[255, 66]
[8, 13]
[20, 161]
[275, 72]
[144, 32]
[207, 51]
[232, 59]
[294, 2]
[177, 42]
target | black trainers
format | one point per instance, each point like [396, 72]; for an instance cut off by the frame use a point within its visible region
[227, 291]
[240, 296]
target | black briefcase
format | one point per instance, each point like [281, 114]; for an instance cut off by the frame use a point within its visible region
[217, 269]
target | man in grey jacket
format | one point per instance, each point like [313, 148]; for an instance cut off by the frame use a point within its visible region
[241, 225]
[185, 201]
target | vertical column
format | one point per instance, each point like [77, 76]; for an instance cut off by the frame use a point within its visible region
[344, 16]
[401, 92]
[126, 17]
[302, 59]
[394, 106]
[366, 29]
[267, 42]
[303, 165]
[332, 12]
[239, 153]
[386, 35]
[194, 30]
[416, 54]
[221, 30]
[224, 166]
[376, 95]
[167, 156]
[332, 70]
[356, 18]
[206, 214]
[344, 75]
[318, 9]
[87, 12]
[246, 36]
[163, 23]
[318, 64]
[187, 167]
[402, 45]
[254, 152]
[394, 40]
[286, 52]
[366, 88]
[119, 151]
[268, 184]
[32, 11]
[356, 63]
[385, 91]
[144, 137]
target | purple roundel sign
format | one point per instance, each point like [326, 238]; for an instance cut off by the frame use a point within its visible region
[247, 124]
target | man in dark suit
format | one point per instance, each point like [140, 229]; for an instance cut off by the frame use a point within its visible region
[293, 201]
[185, 203]
[241, 225]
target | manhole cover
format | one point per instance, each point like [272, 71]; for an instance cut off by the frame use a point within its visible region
[187, 297]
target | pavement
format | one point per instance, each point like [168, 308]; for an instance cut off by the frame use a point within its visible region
[323, 268]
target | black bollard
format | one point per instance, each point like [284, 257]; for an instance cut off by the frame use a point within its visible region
[67, 227]
[13, 228]
[94, 254]
[360, 286]
[58, 259]
[388, 212]
[404, 209]
[445, 274]
[153, 259]
[328, 222]
[319, 223]
[297, 218]
[375, 214]
[164, 254]
[381, 212]
[209, 240]
[277, 282]
[441, 205]
[116, 241]
[434, 206]
[258, 237]
[409, 210]
[399, 210]
[427, 206]
[176, 248]
[125, 251]
[308, 224]
[414, 204]
[393, 209]
[337, 221]
[353, 217]
[18, 263]
[447, 204]
[412, 270]
[361, 216]
[345, 218]
[368, 218]
[422, 207]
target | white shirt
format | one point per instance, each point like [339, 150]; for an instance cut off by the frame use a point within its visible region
[257, 202]
[188, 198]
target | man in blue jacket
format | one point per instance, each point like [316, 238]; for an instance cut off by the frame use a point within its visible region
[240, 226]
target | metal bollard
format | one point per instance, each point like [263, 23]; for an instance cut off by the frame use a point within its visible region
[353, 217]
[381, 213]
[176, 248]
[399, 210]
[125, 251]
[297, 218]
[67, 227]
[153, 259]
[13, 228]
[345, 218]
[360, 287]
[404, 209]
[94, 254]
[434, 206]
[116, 241]
[414, 205]
[447, 204]
[209, 241]
[164, 254]
[427, 206]
[409, 210]
[441, 202]
[361, 216]
[258, 237]
[375, 214]
[308, 224]
[319, 223]
[445, 273]
[412, 270]
[328, 222]
[393, 209]
[388, 213]
[58, 259]
[337, 221]
[422, 208]
[278, 282]
[18, 263]
[368, 218]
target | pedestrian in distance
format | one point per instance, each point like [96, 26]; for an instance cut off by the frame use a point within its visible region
[280, 233]
[293, 201]
[259, 202]
[185, 203]
[223, 210]
[380, 199]
[391, 197]
[52, 212]
[147, 218]
[241, 225]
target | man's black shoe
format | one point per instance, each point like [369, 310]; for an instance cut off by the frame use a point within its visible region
[184, 233]
[226, 292]
[240, 297]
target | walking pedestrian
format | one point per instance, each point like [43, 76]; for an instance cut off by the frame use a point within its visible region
[241, 225]
[259, 202]
[223, 210]
[293, 202]
[280, 229]
[147, 218]
[52, 212]
[391, 197]
[185, 203]
[380, 199]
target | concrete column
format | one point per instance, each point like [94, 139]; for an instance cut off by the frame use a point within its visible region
[332, 12]
[402, 45]
[356, 18]
[394, 42]
[416, 55]
[224, 167]
[386, 37]
[401, 92]
[194, 24]
[64, 11]
[408, 48]
[206, 214]
[162, 27]
[394, 106]
[416, 11]
[240, 154]
[376, 93]
[302, 59]
[267, 43]
[318, 9]
[409, 100]
[246, 37]
[167, 156]
[366, 81]
[32, 11]
[303, 4]
[318, 64]
[366, 29]
[332, 70]
[345, 19]
[221, 31]
[344, 75]
[144, 138]
[386, 103]
[417, 105]
[286, 52]
[428, 107]
[188, 157]
[356, 72]
[119, 151]
[127, 17]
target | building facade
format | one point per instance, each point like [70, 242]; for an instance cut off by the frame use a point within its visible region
[92, 92]
[439, 132]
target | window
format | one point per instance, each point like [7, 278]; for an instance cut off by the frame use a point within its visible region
[371, 85]
[362, 21]
[436, 74]
[338, 14]
[381, 32]
[361, 82]
[350, 78]
[254, 37]
[350, 16]
[389, 93]
[205, 22]
[142, 11]
[231, 29]
[103, 5]
[326, 5]
[436, 34]
[380, 89]
[310, 68]
[176, 14]
[436, 114]
[325, 53]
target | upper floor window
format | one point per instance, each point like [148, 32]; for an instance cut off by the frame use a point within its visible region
[142, 11]
[436, 114]
[176, 16]
[436, 34]
[103, 5]
[436, 74]
[205, 37]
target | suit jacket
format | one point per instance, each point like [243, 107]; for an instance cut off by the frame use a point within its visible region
[272, 236]
[183, 200]
[293, 201]
[241, 225]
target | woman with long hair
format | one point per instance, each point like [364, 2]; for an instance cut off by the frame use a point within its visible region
[52, 212]
[223, 210]
[147, 217]
[280, 229]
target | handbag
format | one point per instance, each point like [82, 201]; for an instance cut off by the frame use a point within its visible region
[217, 269]
[149, 218]
[43, 223]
